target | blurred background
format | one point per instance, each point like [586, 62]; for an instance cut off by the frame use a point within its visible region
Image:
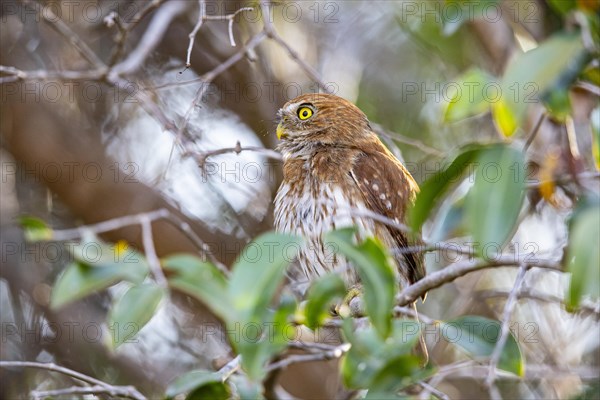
[101, 118]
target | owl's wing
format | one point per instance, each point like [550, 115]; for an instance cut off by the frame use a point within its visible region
[387, 189]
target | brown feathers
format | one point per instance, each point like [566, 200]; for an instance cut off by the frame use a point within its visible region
[335, 170]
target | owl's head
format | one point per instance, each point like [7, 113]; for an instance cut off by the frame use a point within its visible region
[321, 118]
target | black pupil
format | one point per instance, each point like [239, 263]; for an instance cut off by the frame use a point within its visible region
[305, 113]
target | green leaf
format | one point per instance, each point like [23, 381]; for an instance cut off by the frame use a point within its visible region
[376, 273]
[201, 384]
[246, 388]
[380, 364]
[79, 280]
[583, 257]
[259, 271]
[562, 6]
[468, 97]
[95, 253]
[137, 306]
[553, 65]
[283, 329]
[35, 229]
[434, 188]
[256, 276]
[321, 295]
[495, 200]
[449, 222]
[211, 391]
[478, 337]
[259, 342]
[456, 12]
[199, 279]
[558, 104]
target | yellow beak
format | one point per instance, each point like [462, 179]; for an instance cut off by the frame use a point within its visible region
[280, 131]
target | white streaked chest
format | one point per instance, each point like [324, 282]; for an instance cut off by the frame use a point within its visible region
[313, 207]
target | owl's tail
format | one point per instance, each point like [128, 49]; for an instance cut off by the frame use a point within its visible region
[422, 349]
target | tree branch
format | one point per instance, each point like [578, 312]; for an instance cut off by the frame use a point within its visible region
[129, 392]
[509, 307]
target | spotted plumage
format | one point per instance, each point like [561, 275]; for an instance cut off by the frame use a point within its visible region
[336, 171]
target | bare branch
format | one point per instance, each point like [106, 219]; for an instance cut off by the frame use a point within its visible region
[586, 308]
[141, 14]
[194, 32]
[202, 157]
[109, 225]
[120, 391]
[129, 392]
[450, 273]
[336, 353]
[196, 240]
[531, 136]
[206, 79]
[151, 38]
[381, 131]
[434, 392]
[203, 17]
[48, 15]
[505, 330]
[150, 252]
[141, 219]
[565, 179]
[230, 368]
[269, 29]
[15, 75]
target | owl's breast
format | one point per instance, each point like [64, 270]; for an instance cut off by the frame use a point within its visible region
[310, 207]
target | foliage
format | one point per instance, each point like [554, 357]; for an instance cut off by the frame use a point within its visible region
[483, 190]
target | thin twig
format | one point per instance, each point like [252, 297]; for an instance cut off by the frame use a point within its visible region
[202, 157]
[381, 131]
[534, 131]
[509, 307]
[230, 368]
[54, 21]
[141, 14]
[151, 38]
[269, 29]
[150, 251]
[194, 32]
[311, 346]
[125, 28]
[434, 392]
[108, 225]
[409, 311]
[204, 248]
[15, 75]
[336, 353]
[587, 308]
[211, 75]
[564, 179]
[118, 391]
[138, 219]
[123, 391]
[203, 17]
[231, 18]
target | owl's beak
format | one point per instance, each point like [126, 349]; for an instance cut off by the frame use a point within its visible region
[280, 131]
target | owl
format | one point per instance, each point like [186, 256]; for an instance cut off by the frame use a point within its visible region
[336, 172]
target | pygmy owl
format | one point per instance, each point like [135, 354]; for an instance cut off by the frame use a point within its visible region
[336, 173]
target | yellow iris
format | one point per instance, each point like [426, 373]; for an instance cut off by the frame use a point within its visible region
[305, 113]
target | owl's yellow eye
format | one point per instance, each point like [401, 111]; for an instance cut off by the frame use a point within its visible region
[305, 113]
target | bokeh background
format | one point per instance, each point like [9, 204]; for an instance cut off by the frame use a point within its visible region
[131, 129]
